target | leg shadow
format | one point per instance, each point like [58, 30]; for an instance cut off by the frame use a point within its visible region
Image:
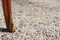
[3, 30]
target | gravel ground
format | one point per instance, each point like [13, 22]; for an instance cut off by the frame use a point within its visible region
[34, 20]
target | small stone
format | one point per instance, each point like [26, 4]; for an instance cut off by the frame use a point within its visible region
[4, 35]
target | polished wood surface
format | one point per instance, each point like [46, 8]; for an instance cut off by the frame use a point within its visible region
[8, 15]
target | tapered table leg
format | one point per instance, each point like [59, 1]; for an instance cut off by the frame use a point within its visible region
[8, 15]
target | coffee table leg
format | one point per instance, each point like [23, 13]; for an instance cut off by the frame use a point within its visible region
[8, 15]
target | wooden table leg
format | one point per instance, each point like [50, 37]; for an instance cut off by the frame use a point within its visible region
[8, 15]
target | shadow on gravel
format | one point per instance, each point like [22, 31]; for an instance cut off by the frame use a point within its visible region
[3, 30]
